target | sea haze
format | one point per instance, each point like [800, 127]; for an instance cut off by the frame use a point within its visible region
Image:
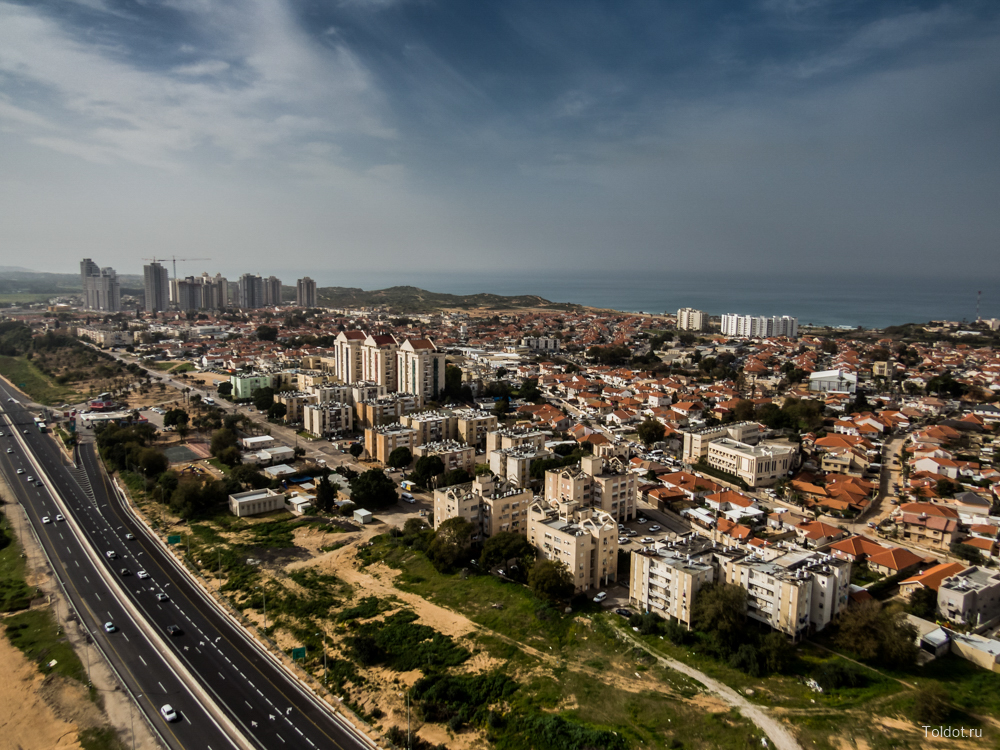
[817, 299]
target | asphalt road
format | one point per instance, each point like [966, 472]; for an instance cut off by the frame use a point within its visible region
[267, 706]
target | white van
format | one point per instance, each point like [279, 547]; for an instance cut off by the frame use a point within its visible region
[407, 497]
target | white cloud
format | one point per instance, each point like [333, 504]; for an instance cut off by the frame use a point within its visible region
[204, 68]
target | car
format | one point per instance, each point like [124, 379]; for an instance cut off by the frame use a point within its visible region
[10, 450]
[25, 432]
[30, 478]
[600, 597]
[174, 630]
[111, 554]
[130, 536]
[161, 597]
[641, 520]
[20, 471]
[623, 612]
[624, 540]
[168, 713]
[125, 572]
[59, 517]
[143, 574]
[409, 500]
[631, 532]
[46, 519]
[872, 525]
[11, 400]
[621, 527]
[109, 627]
[647, 540]
[654, 528]
[38, 483]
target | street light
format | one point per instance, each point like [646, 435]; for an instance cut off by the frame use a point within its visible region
[408, 746]
[263, 595]
[325, 672]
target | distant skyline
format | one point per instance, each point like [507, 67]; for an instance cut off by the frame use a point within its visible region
[795, 135]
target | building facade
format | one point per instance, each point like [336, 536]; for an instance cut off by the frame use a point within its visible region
[251, 291]
[584, 540]
[328, 417]
[757, 465]
[157, 285]
[667, 584]
[101, 290]
[689, 319]
[759, 327]
[305, 292]
[420, 369]
[489, 505]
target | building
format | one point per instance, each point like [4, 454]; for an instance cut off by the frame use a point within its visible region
[378, 360]
[214, 291]
[453, 455]
[514, 464]
[101, 290]
[696, 441]
[595, 482]
[585, 540]
[432, 426]
[255, 501]
[473, 425]
[929, 525]
[157, 284]
[667, 583]
[244, 386]
[795, 592]
[971, 597]
[689, 319]
[251, 291]
[305, 292]
[186, 293]
[105, 336]
[541, 343]
[759, 327]
[294, 402]
[272, 291]
[382, 440]
[386, 409]
[513, 437]
[327, 418]
[347, 357]
[488, 505]
[835, 381]
[420, 369]
[757, 465]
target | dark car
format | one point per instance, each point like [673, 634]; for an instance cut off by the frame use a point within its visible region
[174, 630]
[623, 612]
[125, 572]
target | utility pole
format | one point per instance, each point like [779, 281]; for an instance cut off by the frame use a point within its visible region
[325, 671]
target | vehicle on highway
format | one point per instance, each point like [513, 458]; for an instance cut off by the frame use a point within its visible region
[130, 536]
[109, 627]
[168, 713]
[46, 519]
[20, 471]
[25, 432]
[654, 528]
[111, 554]
[30, 478]
[125, 572]
[10, 450]
[59, 517]
[174, 630]
[143, 574]
[161, 597]
[38, 483]
[600, 597]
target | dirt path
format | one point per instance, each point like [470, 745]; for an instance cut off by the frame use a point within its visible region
[779, 734]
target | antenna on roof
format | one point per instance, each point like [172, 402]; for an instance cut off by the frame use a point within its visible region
[979, 297]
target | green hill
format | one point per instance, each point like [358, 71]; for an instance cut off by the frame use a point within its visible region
[413, 299]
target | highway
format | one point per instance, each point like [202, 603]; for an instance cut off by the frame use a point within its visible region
[259, 704]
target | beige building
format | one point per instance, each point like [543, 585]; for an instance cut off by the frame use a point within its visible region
[489, 505]
[794, 592]
[326, 418]
[432, 426]
[757, 465]
[420, 369]
[255, 501]
[347, 356]
[382, 440]
[689, 319]
[378, 360]
[696, 442]
[103, 336]
[385, 410]
[602, 483]
[473, 425]
[585, 540]
[295, 402]
[514, 437]
[971, 597]
[514, 464]
[667, 584]
[453, 455]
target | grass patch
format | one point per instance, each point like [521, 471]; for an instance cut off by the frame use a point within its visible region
[100, 738]
[19, 298]
[38, 635]
[400, 644]
[183, 367]
[35, 383]
[15, 594]
[219, 465]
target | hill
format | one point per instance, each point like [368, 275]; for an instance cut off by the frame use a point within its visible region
[413, 299]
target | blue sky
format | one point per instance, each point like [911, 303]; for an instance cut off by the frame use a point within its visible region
[411, 134]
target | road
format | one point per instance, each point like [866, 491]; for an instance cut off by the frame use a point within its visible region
[263, 703]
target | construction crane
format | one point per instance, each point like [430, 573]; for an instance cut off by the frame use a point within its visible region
[174, 258]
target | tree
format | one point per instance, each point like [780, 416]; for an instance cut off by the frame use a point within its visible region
[225, 388]
[450, 543]
[776, 652]
[277, 411]
[263, 398]
[175, 418]
[230, 456]
[453, 477]
[426, 468]
[152, 462]
[501, 406]
[651, 432]
[550, 579]
[248, 475]
[267, 333]
[373, 490]
[222, 439]
[504, 546]
[721, 610]
[400, 457]
[878, 634]
[326, 493]
[356, 449]
[931, 705]
[923, 603]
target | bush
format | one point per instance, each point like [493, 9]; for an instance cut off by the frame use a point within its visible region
[839, 674]
[931, 705]
[402, 645]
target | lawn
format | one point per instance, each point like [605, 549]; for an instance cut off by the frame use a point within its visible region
[15, 594]
[17, 298]
[35, 383]
[41, 639]
[219, 465]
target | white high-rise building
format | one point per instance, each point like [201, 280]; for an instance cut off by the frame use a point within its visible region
[689, 319]
[762, 327]
[101, 290]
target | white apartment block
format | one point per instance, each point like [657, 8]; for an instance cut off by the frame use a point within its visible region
[757, 465]
[378, 360]
[453, 455]
[488, 505]
[541, 343]
[696, 442]
[606, 484]
[327, 417]
[794, 592]
[420, 369]
[347, 356]
[106, 336]
[584, 540]
[514, 437]
[667, 583]
[759, 327]
[689, 319]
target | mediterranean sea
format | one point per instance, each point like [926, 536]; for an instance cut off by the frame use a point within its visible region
[820, 299]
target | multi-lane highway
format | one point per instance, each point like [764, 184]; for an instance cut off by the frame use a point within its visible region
[256, 703]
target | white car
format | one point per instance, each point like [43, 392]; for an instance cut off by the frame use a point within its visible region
[130, 536]
[20, 471]
[109, 627]
[59, 517]
[654, 528]
[600, 597]
[46, 519]
[168, 713]
[142, 574]
[111, 554]
[640, 520]
[161, 597]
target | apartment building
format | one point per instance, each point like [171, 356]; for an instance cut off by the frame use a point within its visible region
[432, 426]
[667, 583]
[244, 386]
[689, 319]
[386, 409]
[294, 403]
[473, 425]
[157, 285]
[759, 327]
[251, 291]
[378, 360]
[794, 592]
[382, 440]
[272, 291]
[541, 343]
[328, 417]
[305, 292]
[757, 465]
[513, 437]
[601, 483]
[101, 289]
[365, 390]
[106, 336]
[453, 455]
[971, 597]
[347, 356]
[514, 464]
[929, 525]
[420, 369]
[696, 441]
[585, 540]
[489, 505]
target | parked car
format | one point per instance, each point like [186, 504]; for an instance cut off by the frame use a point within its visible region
[623, 612]
[600, 597]
[654, 528]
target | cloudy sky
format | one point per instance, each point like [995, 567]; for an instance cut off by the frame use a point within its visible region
[314, 135]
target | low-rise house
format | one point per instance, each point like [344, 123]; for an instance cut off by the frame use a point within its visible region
[932, 578]
[971, 597]
[894, 560]
[255, 502]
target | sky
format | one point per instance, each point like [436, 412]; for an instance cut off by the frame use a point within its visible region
[317, 136]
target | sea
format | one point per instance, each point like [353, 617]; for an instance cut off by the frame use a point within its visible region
[862, 300]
